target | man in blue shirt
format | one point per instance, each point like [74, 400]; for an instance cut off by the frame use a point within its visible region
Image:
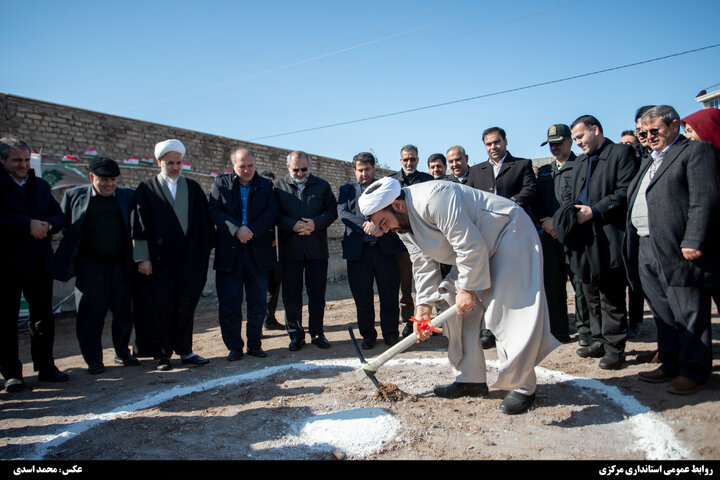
[243, 207]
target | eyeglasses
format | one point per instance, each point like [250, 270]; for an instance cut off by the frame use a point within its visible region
[644, 133]
[296, 170]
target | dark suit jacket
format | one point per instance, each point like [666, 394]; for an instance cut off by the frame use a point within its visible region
[412, 179]
[153, 219]
[225, 207]
[316, 201]
[74, 206]
[349, 214]
[602, 236]
[21, 252]
[515, 180]
[683, 205]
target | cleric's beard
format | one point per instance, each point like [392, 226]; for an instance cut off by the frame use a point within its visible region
[403, 222]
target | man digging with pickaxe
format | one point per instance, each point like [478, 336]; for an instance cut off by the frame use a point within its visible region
[497, 274]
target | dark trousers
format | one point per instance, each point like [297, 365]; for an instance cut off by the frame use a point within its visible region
[38, 294]
[682, 316]
[165, 309]
[636, 306]
[315, 272]
[373, 264]
[273, 290]
[100, 287]
[407, 304]
[608, 314]
[556, 274]
[245, 273]
[582, 313]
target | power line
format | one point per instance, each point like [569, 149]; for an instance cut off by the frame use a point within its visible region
[320, 57]
[406, 49]
[485, 95]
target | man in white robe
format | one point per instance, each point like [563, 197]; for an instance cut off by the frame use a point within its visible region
[497, 273]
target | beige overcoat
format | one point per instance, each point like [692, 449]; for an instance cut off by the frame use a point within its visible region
[495, 251]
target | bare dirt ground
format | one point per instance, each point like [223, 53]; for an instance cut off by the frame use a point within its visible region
[309, 405]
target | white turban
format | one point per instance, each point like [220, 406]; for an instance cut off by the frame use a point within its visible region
[169, 146]
[379, 195]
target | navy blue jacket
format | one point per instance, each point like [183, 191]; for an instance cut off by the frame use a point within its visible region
[225, 207]
[21, 252]
[349, 214]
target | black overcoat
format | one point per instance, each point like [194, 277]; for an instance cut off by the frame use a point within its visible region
[600, 240]
[315, 201]
[22, 254]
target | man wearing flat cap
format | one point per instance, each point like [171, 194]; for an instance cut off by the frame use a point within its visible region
[96, 250]
[172, 237]
[553, 181]
[487, 239]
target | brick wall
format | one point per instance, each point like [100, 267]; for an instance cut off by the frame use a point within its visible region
[59, 130]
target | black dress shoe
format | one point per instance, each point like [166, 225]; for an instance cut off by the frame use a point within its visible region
[128, 360]
[594, 350]
[459, 389]
[95, 368]
[194, 360]
[257, 352]
[296, 344]
[164, 365]
[390, 341]
[367, 344]
[407, 330]
[273, 324]
[320, 341]
[612, 361]
[584, 339]
[562, 338]
[235, 355]
[52, 375]
[515, 403]
[487, 339]
[14, 385]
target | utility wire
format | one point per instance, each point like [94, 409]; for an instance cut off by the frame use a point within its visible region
[402, 50]
[501, 92]
[320, 57]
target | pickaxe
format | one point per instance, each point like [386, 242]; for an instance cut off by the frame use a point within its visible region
[369, 369]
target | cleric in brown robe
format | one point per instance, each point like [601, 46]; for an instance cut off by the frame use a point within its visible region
[172, 238]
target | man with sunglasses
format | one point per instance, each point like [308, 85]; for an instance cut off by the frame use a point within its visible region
[670, 252]
[306, 208]
[596, 200]
[408, 175]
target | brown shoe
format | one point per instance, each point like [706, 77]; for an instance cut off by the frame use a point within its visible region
[655, 376]
[683, 386]
[651, 357]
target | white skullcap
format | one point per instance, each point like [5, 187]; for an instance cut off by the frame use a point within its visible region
[169, 146]
[379, 195]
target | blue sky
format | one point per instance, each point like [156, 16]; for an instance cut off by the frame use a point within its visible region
[254, 69]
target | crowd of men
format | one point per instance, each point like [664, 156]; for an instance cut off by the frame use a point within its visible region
[624, 223]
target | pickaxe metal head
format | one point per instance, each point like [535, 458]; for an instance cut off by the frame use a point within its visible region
[370, 374]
